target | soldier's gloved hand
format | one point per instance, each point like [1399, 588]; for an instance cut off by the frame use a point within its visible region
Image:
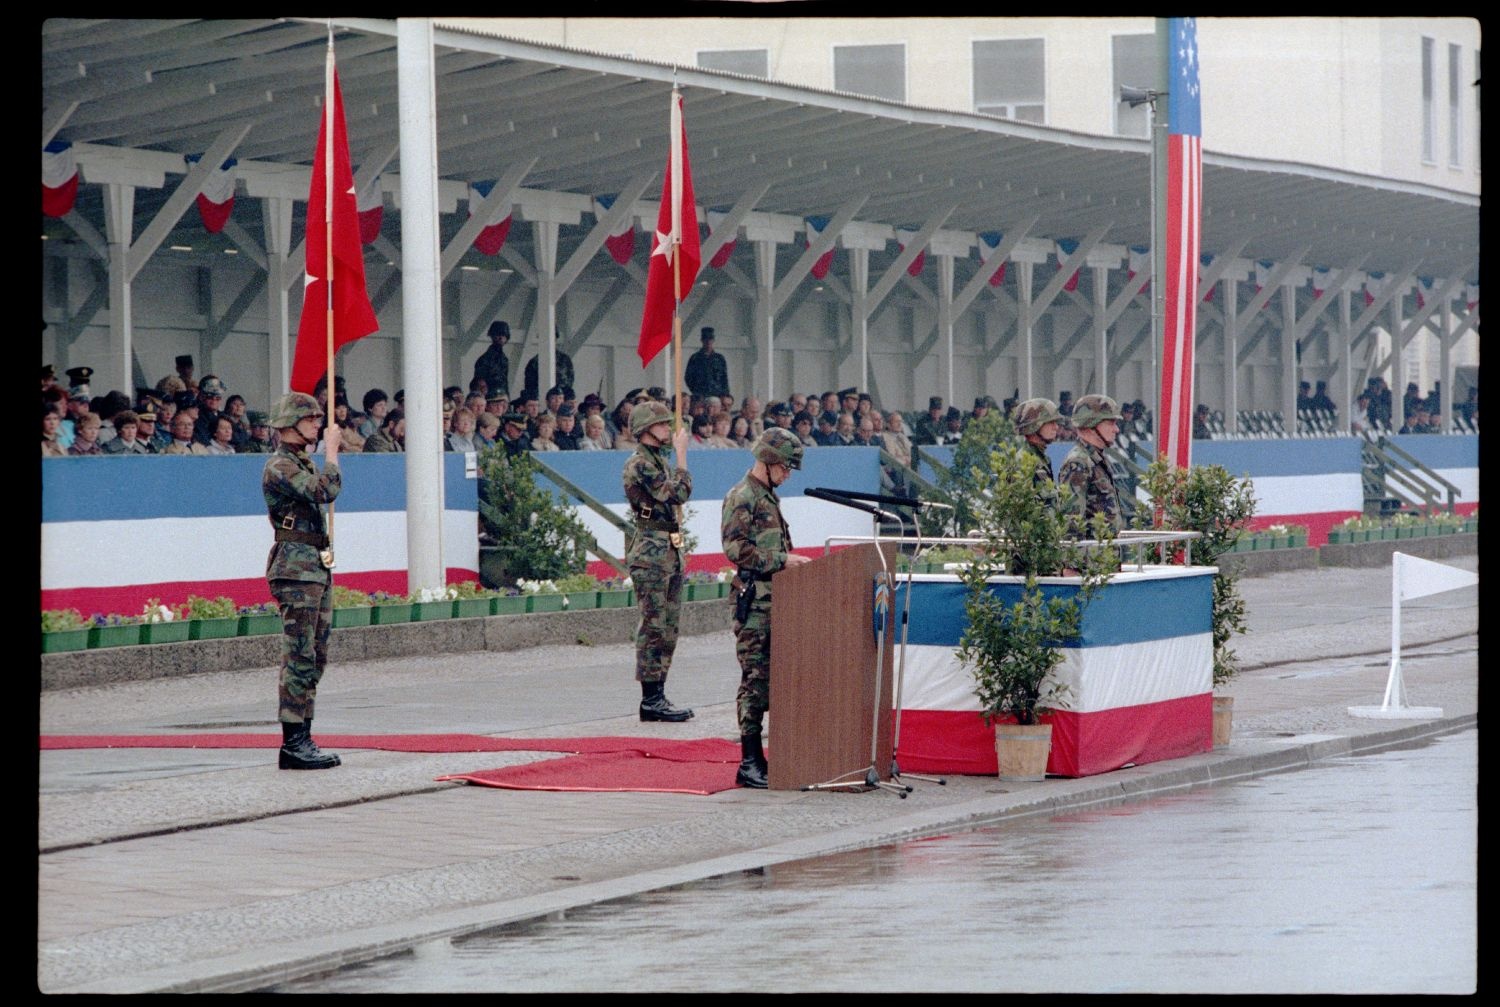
[681, 437]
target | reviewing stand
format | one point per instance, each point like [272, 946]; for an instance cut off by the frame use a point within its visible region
[824, 669]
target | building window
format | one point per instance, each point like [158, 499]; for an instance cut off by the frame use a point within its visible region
[750, 62]
[878, 71]
[1429, 113]
[1135, 66]
[1455, 110]
[1010, 79]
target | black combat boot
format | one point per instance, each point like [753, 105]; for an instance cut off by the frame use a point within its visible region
[656, 706]
[752, 763]
[299, 751]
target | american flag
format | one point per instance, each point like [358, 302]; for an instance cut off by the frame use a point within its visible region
[1183, 216]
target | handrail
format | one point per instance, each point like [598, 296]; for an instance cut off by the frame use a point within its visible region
[1392, 447]
[886, 458]
[572, 489]
[1412, 476]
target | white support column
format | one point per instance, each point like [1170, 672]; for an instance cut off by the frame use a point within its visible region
[765, 314]
[119, 215]
[1023, 325]
[859, 309]
[421, 312]
[1341, 343]
[945, 321]
[544, 321]
[1230, 292]
[1101, 329]
[276, 218]
[1289, 357]
[1445, 368]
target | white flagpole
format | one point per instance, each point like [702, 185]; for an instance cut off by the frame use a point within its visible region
[332, 429]
[676, 168]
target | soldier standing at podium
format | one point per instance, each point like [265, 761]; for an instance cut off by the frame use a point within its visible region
[757, 542]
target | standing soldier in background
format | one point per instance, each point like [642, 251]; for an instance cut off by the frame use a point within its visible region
[492, 366]
[656, 493]
[757, 542]
[300, 569]
[707, 372]
[1037, 421]
[1086, 470]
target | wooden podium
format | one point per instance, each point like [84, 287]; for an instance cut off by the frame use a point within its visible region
[823, 658]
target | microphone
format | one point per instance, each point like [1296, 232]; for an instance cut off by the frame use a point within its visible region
[890, 501]
[838, 497]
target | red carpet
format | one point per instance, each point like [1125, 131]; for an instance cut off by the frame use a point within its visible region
[660, 748]
[617, 771]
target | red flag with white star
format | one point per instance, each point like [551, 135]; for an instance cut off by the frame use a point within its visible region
[676, 234]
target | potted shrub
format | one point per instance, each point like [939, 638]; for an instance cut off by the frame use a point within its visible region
[64, 629]
[387, 609]
[260, 620]
[350, 607]
[160, 624]
[472, 600]
[114, 631]
[1208, 500]
[1013, 638]
[211, 618]
[528, 531]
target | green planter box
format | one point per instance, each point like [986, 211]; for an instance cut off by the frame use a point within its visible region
[544, 603]
[471, 608]
[65, 640]
[1281, 542]
[175, 631]
[1471, 526]
[357, 615]
[430, 611]
[1298, 541]
[510, 604]
[581, 601]
[615, 599]
[387, 615]
[115, 636]
[723, 589]
[262, 624]
[213, 629]
[1338, 536]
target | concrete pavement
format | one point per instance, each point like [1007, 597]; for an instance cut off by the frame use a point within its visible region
[179, 869]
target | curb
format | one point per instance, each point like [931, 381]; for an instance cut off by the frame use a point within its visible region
[267, 966]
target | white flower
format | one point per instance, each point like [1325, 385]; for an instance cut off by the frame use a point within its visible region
[158, 613]
[627, 582]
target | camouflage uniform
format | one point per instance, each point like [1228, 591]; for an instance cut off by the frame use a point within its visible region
[756, 541]
[655, 492]
[1087, 472]
[301, 584]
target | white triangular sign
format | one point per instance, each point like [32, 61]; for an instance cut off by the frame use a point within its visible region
[1417, 578]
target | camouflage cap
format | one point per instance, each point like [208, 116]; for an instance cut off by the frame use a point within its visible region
[292, 407]
[212, 386]
[258, 418]
[778, 447]
[1033, 414]
[1092, 410]
[646, 415]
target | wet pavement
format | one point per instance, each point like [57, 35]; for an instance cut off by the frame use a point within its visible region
[178, 869]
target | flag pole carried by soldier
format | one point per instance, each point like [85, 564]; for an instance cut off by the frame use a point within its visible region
[656, 493]
[299, 570]
[1086, 470]
[757, 541]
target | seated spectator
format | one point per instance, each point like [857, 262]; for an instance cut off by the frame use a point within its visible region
[929, 429]
[593, 434]
[127, 435]
[462, 437]
[546, 426]
[720, 438]
[864, 433]
[827, 422]
[146, 428]
[954, 427]
[260, 442]
[843, 432]
[486, 430]
[235, 407]
[1200, 422]
[221, 441]
[376, 404]
[1321, 400]
[567, 435]
[390, 437]
[497, 404]
[513, 433]
[210, 401]
[739, 432]
[802, 426]
[895, 440]
[51, 422]
[475, 403]
[86, 435]
[779, 415]
[703, 430]
[750, 410]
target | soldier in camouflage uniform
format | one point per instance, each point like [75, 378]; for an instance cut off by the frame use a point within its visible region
[299, 570]
[757, 542]
[656, 493]
[1086, 470]
[1037, 421]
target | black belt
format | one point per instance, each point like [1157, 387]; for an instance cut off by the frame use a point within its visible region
[650, 525]
[312, 538]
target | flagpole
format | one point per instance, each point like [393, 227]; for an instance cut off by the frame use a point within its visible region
[328, 391]
[676, 166]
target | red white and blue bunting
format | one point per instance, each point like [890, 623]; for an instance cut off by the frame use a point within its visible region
[59, 178]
